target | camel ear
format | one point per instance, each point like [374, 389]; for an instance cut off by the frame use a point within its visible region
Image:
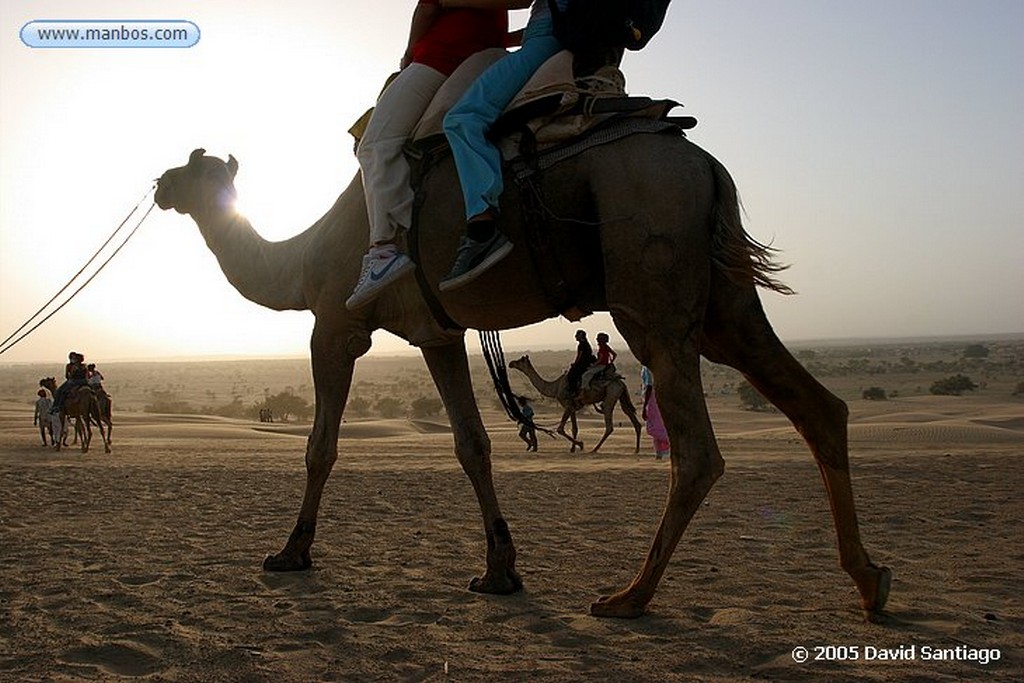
[196, 156]
[232, 165]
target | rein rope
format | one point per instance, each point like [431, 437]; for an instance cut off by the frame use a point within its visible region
[490, 342]
[7, 344]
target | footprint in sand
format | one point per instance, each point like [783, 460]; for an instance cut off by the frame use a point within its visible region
[118, 659]
[732, 616]
[138, 579]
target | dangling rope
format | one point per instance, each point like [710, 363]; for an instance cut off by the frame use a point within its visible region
[490, 342]
[7, 344]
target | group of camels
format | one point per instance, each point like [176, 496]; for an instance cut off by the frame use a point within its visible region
[661, 247]
[85, 407]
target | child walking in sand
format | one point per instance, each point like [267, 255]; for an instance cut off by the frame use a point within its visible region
[42, 417]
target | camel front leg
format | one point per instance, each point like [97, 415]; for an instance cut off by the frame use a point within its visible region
[86, 429]
[333, 353]
[569, 414]
[449, 368]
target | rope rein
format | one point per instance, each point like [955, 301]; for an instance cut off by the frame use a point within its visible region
[490, 342]
[7, 344]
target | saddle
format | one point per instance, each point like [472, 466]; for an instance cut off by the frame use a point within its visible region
[552, 108]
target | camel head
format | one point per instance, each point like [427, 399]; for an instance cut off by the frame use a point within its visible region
[204, 183]
[520, 364]
[48, 383]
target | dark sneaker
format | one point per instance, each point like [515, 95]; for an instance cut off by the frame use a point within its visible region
[381, 267]
[474, 258]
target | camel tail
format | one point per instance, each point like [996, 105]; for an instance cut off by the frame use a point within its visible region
[743, 259]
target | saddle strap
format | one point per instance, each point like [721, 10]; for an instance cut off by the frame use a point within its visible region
[423, 155]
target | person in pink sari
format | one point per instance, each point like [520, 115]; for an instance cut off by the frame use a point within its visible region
[652, 416]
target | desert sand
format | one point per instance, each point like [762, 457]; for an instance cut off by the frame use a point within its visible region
[145, 563]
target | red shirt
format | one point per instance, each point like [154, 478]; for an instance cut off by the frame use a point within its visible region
[458, 33]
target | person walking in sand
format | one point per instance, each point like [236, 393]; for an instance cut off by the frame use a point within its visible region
[42, 418]
[527, 429]
[652, 416]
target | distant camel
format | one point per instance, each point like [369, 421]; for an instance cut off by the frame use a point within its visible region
[82, 405]
[599, 390]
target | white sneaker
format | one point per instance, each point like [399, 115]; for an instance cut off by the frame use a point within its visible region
[381, 267]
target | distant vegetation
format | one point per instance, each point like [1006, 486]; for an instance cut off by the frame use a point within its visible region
[751, 398]
[286, 406]
[953, 386]
[874, 394]
[239, 389]
[976, 351]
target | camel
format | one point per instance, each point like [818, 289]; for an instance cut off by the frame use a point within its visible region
[606, 391]
[661, 247]
[83, 406]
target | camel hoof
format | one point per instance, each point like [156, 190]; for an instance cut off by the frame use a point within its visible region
[616, 607]
[505, 584]
[873, 608]
[287, 563]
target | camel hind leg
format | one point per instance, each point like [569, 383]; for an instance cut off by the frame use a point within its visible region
[609, 426]
[696, 461]
[738, 334]
[656, 279]
[630, 410]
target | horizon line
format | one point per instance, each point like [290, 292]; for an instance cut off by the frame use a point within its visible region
[413, 351]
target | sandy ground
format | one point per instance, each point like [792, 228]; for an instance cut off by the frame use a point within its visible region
[145, 563]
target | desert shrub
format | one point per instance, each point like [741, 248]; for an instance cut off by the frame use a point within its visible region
[874, 394]
[424, 407]
[285, 405]
[751, 398]
[358, 407]
[1019, 391]
[953, 386]
[234, 409]
[167, 402]
[389, 407]
[976, 351]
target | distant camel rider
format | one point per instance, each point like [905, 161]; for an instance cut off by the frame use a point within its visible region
[605, 357]
[95, 377]
[75, 375]
[584, 359]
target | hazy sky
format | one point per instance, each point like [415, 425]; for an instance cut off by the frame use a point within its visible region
[878, 144]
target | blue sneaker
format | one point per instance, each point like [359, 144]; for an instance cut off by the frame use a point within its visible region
[474, 258]
[381, 267]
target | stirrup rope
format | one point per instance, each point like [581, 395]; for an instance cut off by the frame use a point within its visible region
[7, 344]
